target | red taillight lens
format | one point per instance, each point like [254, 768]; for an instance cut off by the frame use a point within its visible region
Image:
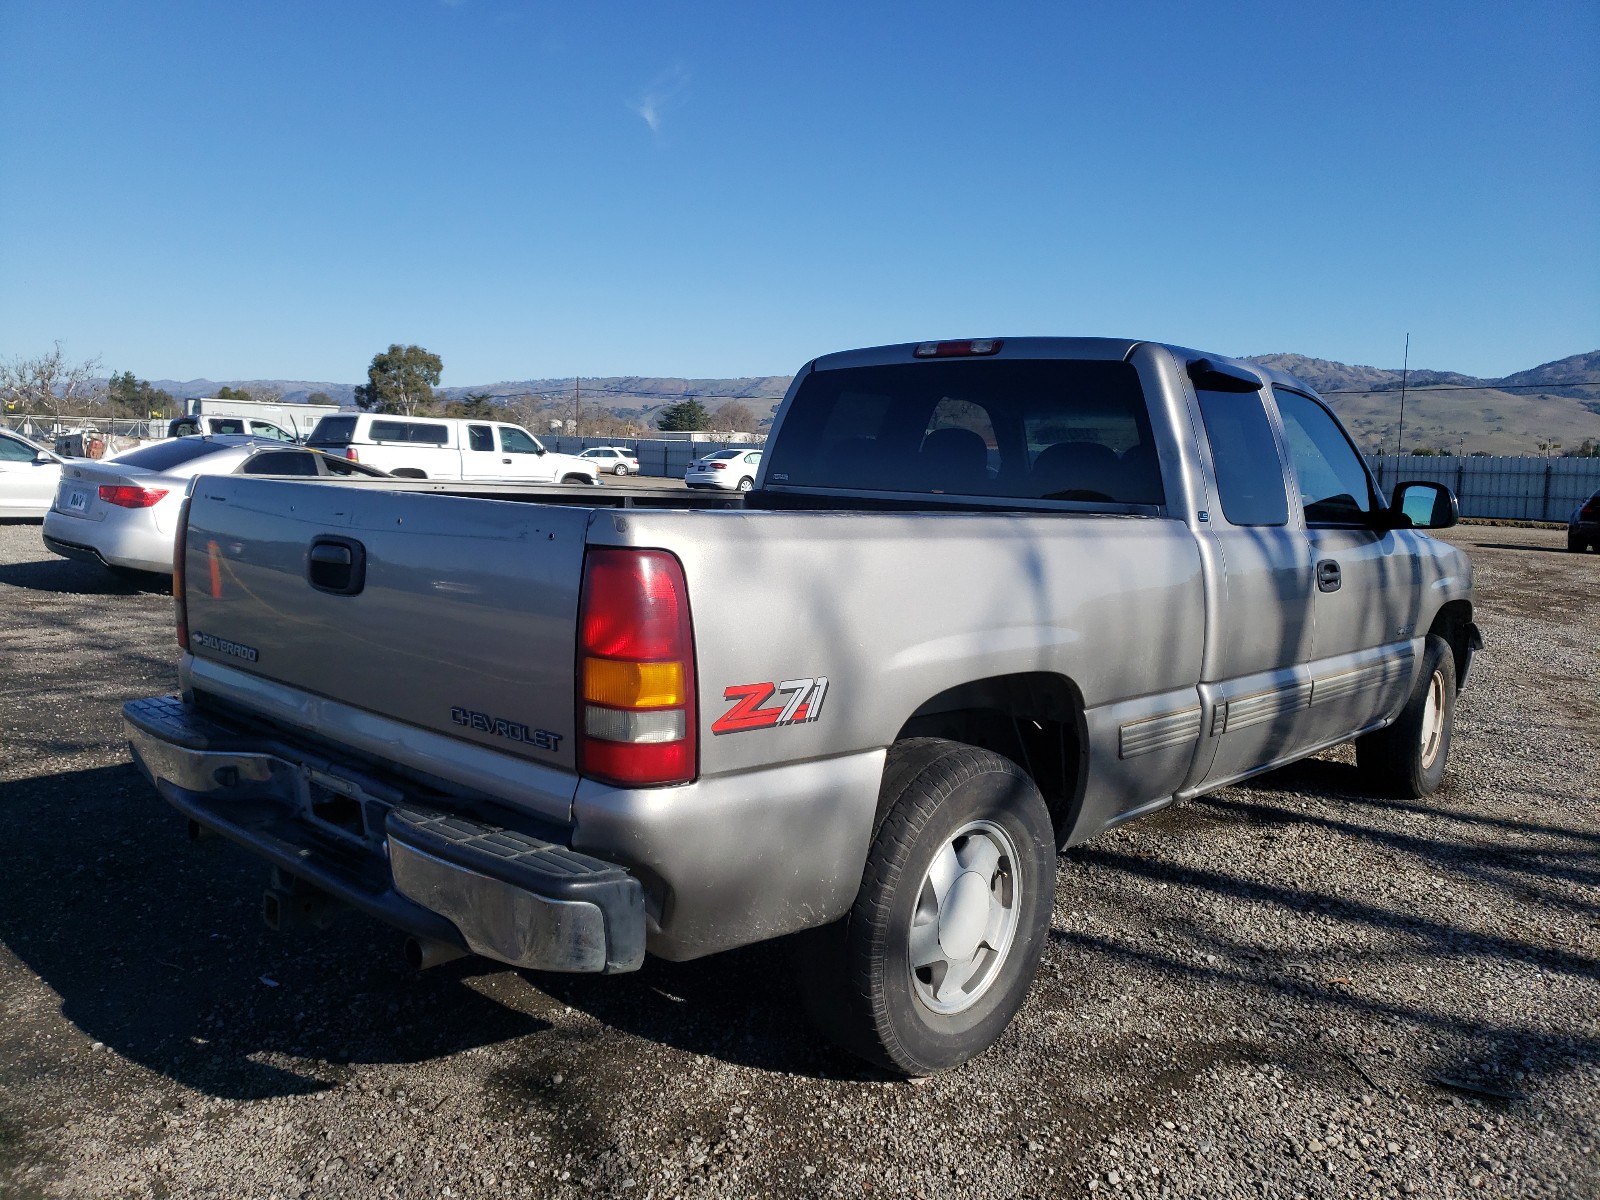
[966, 349]
[130, 497]
[350, 453]
[719, 466]
[180, 548]
[635, 670]
[1590, 511]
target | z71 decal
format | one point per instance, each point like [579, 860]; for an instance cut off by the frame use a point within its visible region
[800, 700]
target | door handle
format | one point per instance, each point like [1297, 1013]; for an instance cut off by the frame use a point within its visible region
[1328, 578]
[337, 565]
[507, 461]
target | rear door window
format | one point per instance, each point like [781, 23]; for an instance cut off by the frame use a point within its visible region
[1244, 455]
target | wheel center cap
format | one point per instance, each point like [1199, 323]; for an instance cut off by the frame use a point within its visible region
[964, 916]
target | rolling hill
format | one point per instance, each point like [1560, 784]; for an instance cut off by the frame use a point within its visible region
[1555, 402]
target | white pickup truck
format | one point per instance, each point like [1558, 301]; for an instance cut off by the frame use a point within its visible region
[448, 448]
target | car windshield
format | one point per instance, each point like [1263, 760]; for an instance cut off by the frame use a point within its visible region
[163, 456]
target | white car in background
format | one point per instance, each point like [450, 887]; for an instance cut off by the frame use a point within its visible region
[28, 476]
[613, 460]
[448, 448]
[123, 512]
[733, 470]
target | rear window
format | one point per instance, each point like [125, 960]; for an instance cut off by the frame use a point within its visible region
[1024, 429]
[163, 456]
[333, 431]
[281, 462]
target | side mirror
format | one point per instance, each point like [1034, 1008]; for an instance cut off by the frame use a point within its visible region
[1422, 505]
[44, 456]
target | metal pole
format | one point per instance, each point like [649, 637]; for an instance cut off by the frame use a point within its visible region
[1405, 370]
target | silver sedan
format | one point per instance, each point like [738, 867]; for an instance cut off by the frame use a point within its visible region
[28, 476]
[123, 512]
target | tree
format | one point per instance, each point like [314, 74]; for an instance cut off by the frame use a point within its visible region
[319, 398]
[229, 393]
[400, 380]
[478, 406]
[686, 414]
[135, 397]
[735, 417]
[49, 385]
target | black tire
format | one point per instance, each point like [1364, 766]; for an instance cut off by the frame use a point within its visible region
[1575, 544]
[746, 484]
[620, 469]
[576, 479]
[1407, 759]
[939, 800]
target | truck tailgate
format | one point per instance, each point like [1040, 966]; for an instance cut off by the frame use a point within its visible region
[457, 615]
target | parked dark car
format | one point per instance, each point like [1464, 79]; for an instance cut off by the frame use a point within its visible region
[1583, 527]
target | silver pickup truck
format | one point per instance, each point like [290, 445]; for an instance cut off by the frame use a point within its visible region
[987, 599]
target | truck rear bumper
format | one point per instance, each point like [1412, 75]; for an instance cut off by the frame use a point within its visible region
[495, 891]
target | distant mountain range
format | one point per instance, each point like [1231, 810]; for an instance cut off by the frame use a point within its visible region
[1556, 402]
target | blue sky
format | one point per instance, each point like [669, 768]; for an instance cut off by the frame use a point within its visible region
[279, 190]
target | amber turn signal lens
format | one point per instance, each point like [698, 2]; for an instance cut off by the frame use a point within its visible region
[622, 684]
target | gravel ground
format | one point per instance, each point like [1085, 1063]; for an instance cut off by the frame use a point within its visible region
[1286, 989]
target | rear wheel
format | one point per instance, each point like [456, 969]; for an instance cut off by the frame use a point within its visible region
[941, 945]
[620, 469]
[1407, 759]
[746, 484]
[1576, 544]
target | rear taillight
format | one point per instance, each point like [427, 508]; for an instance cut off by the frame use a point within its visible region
[350, 453]
[130, 497]
[179, 548]
[635, 670]
[719, 466]
[1590, 511]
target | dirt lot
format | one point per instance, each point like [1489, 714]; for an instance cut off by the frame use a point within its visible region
[1283, 989]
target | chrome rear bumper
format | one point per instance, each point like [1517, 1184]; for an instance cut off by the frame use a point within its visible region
[496, 891]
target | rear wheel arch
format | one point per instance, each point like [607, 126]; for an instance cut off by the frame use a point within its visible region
[1035, 719]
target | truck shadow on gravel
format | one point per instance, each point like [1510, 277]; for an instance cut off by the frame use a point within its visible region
[156, 950]
[66, 575]
[1547, 865]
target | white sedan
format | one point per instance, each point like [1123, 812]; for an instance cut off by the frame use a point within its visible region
[123, 512]
[28, 476]
[734, 470]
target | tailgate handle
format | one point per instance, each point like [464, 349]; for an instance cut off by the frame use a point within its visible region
[337, 565]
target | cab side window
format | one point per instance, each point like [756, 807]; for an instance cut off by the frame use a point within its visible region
[15, 451]
[1249, 471]
[514, 441]
[281, 462]
[1334, 485]
[480, 437]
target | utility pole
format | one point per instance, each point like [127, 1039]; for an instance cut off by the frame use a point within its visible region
[1405, 370]
[574, 406]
